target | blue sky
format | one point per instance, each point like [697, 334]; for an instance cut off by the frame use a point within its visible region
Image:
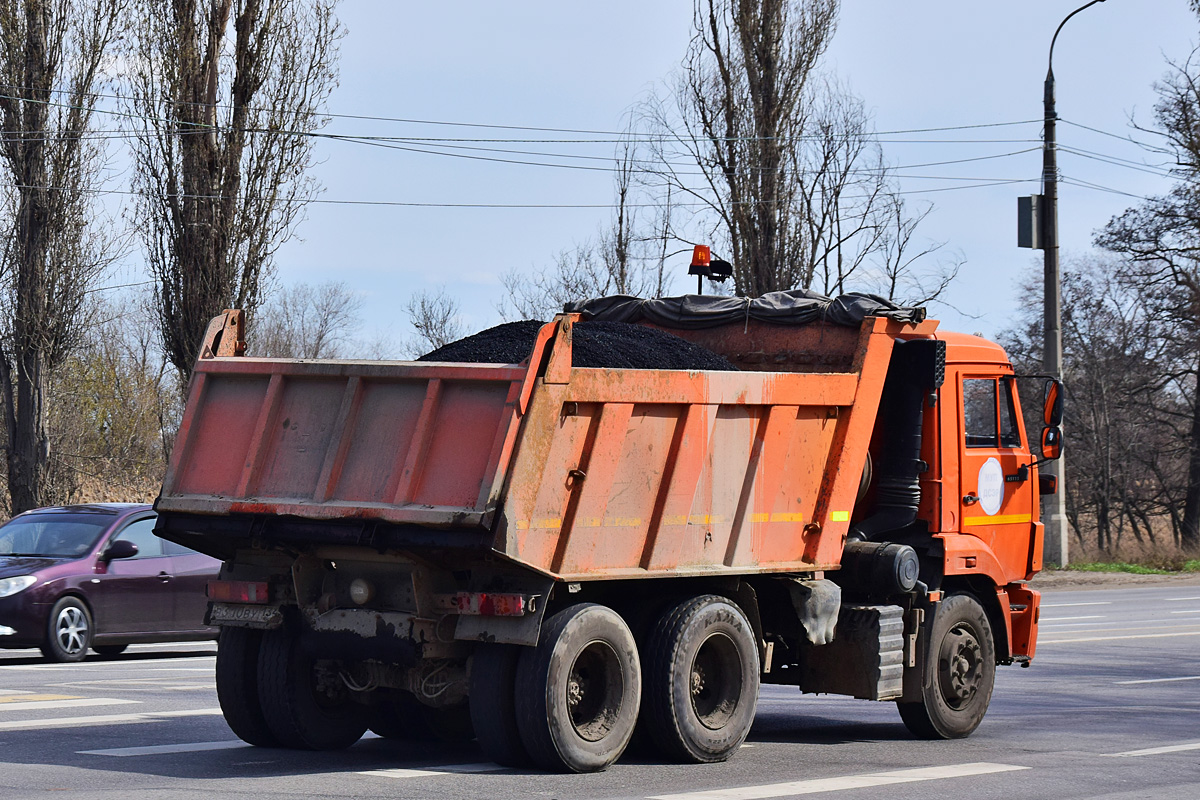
[916, 64]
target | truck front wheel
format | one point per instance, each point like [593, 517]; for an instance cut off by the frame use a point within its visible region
[578, 690]
[304, 704]
[237, 686]
[701, 680]
[960, 670]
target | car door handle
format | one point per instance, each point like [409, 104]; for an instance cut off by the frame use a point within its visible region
[970, 500]
[164, 577]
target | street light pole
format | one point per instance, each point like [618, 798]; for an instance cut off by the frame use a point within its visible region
[1056, 538]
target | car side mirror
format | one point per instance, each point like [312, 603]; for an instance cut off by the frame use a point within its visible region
[121, 548]
[1051, 443]
[1052, 404]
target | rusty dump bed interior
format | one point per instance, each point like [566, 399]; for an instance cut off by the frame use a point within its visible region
[574, 472]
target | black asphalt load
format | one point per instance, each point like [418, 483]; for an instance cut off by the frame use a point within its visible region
[594, 344]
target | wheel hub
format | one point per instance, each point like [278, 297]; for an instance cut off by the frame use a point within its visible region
[960, 667]
[71, 630]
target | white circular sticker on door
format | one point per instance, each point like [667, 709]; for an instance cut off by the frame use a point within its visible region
[991, 486]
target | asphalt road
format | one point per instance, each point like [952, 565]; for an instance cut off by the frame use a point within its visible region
[1110, 709]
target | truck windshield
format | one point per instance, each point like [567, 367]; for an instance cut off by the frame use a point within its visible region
[54, 535]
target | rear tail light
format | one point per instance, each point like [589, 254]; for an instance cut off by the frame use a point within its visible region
[489, 604]
[238, 591]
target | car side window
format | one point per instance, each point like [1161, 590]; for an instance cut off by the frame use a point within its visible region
[173, 549]
[979, 412]
[141, 533]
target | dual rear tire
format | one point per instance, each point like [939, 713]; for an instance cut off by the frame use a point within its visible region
[573, 702]
[273, 694]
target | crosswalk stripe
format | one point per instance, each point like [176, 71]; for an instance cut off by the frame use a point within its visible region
[1156, 751]
[104, 719]
[845, 782]
[153, 750]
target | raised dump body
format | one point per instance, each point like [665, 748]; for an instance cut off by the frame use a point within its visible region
[543, 556]
[575, 472]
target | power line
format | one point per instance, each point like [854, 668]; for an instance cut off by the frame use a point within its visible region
[492, 126]
[410, 204]
[1097, 187]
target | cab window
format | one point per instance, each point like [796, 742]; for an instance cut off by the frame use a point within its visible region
[979, 412]
[141, 533]
[1010, 434]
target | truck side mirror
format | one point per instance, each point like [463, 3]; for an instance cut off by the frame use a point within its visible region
[1052, 404]
[1051, 443]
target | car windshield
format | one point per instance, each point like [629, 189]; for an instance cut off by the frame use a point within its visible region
[63, 535]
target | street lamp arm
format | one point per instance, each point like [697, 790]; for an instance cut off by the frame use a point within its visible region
[1050, 60]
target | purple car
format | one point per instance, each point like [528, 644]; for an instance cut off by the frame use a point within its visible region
[96, 576]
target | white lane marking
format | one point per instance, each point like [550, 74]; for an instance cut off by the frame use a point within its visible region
[1159, 680]
[846, 782]
[1065, 605]
[1187, 611]
[153, 750]
[135, 664]
[1064, 619]
[1181, 599]
[155, 683]
[104, 719]
[428, 772]
[1154, 751]
[1112, 638]
[38, 705]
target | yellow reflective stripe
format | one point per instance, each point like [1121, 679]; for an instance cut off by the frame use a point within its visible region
[1003, 519]
[840, 516]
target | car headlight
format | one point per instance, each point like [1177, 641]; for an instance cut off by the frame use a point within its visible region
[18, 584]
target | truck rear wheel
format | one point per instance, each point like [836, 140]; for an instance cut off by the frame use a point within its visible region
[578, 691]
[237, 686]
[305, 705]
[493, 704]
[960, 670]
[701, 680]
[402, 716]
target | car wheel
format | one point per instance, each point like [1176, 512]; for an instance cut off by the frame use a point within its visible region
[69, 631]
[110, 650]
[578, 690]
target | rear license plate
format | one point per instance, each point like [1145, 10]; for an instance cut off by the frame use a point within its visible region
[245, 616]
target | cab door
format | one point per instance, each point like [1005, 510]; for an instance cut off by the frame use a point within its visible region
[996, 504]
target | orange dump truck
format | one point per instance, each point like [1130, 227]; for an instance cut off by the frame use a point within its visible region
[545, 557]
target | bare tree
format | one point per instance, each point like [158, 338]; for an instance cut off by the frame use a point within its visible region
[117, 405]
[1128, 451]
[781, 159]
[621, 259]
[51, 57]
[304, 321]
[1160, 240]
[223, 95]
[434, 317]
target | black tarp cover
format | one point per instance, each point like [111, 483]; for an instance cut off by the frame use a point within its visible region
[795, 307]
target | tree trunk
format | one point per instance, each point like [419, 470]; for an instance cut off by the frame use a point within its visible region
[1190, 533]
